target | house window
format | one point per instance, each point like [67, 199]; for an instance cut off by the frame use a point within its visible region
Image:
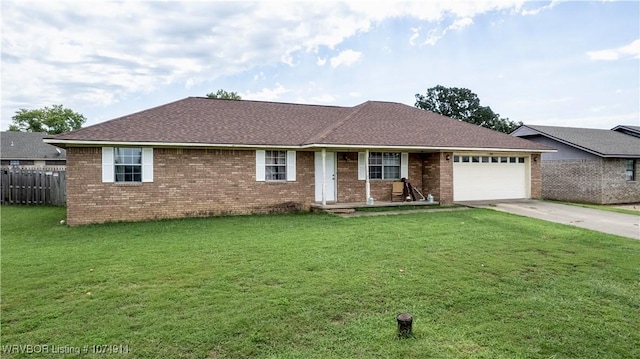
[275, 166]
[631, 170]
[384, 165]
[127, 164]
[275, 163]
[14, 163]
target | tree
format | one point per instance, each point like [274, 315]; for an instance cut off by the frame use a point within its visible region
[464, 105]
[224, 95]
[52, 120]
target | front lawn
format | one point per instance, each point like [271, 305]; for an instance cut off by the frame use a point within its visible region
[479, 283]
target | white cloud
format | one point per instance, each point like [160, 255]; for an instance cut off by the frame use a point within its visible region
[633, 49]
[266, 94]
[432, 37]
[460, 24]
[415, 33]
[96, 54]
[536, 11]
[346, 58]
[259, 76]
[57, 51]
[435, 35]
[355, 94]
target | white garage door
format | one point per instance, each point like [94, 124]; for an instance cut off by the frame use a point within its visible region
[489, 177]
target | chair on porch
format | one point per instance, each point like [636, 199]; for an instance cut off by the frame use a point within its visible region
[397, 191]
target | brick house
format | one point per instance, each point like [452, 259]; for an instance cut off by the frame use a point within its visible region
[590, 165]
[201, 157]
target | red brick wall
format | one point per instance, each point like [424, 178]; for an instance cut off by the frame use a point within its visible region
[204, 182]
[187, 183]
[350, 189]
[536, 176]
[600, 181]
[438, 176]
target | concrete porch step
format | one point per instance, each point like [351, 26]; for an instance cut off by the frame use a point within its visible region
[340, 210]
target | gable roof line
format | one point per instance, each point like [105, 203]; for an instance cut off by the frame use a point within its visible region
[321, 135]
[569, 143]
[266, 102]
[537, 128]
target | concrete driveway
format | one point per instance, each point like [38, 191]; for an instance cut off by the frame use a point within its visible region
[626, 225]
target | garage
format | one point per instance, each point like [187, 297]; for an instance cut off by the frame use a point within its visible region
[477, 177]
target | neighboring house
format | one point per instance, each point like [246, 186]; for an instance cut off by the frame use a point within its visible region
[200, 156]
[27, 150]
[591, 165]
[628, 130]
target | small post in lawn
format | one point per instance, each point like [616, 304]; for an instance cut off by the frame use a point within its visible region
[405, 322]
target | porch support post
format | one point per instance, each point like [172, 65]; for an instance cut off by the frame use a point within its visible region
[367, 184]
[324, 177]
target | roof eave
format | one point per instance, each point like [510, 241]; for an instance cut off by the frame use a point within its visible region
[425, 148]
[77, 143]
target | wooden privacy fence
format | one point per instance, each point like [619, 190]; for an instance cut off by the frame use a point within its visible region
[33, 186]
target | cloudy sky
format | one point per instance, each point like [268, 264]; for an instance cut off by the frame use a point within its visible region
[547, 63]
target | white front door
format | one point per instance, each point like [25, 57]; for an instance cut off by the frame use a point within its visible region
[330, 176]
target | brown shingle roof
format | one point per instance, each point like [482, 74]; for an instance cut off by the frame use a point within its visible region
[198, 120]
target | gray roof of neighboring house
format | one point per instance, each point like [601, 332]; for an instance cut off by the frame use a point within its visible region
[628, 130]
[28, 146]
[604, 143]
[204, 121]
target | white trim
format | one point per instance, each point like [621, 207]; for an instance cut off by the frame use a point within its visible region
[362, 167]
[147, 164]
[307, 146]
[108, 169]
[404, 165]
[291, 165]
[324, 176]
[260, 170]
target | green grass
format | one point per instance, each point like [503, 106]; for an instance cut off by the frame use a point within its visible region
[479, 283]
